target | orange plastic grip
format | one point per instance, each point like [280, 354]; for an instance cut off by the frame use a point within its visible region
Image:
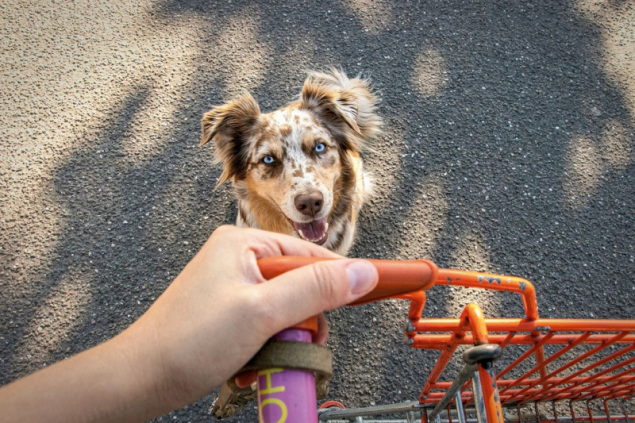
[395, 277]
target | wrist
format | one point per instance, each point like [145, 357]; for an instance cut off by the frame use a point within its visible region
[108, 383]
[143, 370]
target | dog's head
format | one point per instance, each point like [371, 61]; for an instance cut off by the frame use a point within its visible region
[293, 167]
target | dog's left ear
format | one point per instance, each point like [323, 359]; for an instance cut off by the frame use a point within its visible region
[230, 126]
[346, 106]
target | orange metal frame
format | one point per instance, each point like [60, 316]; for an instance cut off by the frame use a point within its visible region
[595, 360]
[574, 360]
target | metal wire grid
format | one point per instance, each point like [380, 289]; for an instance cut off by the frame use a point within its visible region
[577, 362]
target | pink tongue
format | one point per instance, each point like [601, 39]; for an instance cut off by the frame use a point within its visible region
[313, 231]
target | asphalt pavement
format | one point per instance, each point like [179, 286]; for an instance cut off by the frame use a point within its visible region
[508, 148]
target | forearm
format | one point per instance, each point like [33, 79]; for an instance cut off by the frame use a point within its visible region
[108, 383]
[215, 316]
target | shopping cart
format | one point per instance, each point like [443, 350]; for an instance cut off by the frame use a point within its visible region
[549, 366]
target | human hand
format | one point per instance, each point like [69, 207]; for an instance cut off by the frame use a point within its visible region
[218, 312]
[209, 322]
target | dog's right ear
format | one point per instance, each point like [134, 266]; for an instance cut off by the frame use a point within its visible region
[346, 106]
[229, 126]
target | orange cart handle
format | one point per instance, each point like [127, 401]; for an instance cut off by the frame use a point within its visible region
[395, 277]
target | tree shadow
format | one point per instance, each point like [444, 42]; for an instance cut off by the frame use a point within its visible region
[130, 228]
[521, 82]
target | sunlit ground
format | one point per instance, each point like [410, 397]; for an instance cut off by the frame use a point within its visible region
[127, 86]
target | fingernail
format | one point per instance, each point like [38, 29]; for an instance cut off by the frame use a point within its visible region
[361, 276]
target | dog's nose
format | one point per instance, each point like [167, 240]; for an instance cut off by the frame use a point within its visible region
[309, 204]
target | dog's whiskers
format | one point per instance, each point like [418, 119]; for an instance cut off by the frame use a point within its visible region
[279, 208]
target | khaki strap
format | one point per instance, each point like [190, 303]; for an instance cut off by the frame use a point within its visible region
[277, 354]
[293, 355]
[231, 399]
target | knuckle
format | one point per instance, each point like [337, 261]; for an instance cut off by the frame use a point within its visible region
[220, 236]
[224, 229]
[220, 233]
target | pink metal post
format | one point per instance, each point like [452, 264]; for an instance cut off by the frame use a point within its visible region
[286, 395]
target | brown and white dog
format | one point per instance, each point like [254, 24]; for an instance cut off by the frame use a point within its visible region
[297, 170]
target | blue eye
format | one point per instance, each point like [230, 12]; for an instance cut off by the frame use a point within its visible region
[268, 160]
[320, 148]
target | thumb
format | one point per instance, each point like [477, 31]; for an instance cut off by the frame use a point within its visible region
[307, 291]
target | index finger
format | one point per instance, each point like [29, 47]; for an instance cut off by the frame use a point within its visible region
[270, 244]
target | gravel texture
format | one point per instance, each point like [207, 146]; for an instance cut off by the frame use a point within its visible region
[508, 147]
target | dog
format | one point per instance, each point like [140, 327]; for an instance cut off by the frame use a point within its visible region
[297, 170]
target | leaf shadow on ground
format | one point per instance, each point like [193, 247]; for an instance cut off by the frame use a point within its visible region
[522, 82]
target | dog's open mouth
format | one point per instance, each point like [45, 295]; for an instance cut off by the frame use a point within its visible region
[314, 231]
